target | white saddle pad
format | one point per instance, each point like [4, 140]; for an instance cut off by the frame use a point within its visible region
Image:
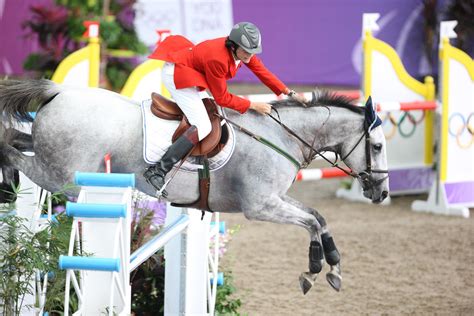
[157, 134]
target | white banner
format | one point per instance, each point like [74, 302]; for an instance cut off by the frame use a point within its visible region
[198, 20]
[205, 19]
[460, 124]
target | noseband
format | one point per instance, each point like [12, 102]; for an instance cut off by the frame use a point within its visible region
[366, 177]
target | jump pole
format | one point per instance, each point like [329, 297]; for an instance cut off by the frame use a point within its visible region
[104, 211]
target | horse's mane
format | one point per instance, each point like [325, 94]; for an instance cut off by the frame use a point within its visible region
[322, 98]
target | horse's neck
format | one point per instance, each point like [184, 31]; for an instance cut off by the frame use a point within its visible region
[327, 127]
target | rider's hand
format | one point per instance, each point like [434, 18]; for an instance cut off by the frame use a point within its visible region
[261, 107]
[297, 97]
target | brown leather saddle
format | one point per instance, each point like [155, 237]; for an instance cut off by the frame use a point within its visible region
[166, 109]
[208, 147]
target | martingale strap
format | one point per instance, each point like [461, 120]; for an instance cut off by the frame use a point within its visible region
[264, 141]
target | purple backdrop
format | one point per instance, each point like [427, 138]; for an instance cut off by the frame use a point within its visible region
[304, 41]
[314, 41]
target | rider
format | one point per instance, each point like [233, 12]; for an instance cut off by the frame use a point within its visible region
[191, 68]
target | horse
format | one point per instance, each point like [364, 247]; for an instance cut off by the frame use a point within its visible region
[75, 127]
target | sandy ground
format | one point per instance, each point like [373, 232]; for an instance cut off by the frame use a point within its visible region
[394, 261]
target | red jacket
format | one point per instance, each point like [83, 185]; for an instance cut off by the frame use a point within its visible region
[208, 65]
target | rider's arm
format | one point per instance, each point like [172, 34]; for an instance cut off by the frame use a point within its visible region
[266, 77]
[215, 77]
[271, 81]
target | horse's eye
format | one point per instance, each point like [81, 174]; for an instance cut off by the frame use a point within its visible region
[377, 147]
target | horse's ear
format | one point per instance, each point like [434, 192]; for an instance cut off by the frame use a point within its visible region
[371, 118]
[369, 110]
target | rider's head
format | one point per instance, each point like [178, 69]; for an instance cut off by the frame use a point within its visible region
[246, 36]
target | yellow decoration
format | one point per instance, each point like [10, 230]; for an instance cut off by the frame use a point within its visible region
[141, 71]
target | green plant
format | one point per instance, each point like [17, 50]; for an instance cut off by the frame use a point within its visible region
[24, 252]
[60, 234]
[26, 255]
[50, 24]
[148, 287]
[148, 279]
[59, 28]
[226, 301]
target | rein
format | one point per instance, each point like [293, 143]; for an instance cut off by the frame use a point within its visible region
[314, 151]
[365, 176]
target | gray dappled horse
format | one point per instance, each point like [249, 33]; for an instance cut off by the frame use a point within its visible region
[75, 127]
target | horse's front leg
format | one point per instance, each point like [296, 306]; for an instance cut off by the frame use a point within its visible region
[277, 210]
[331, 253]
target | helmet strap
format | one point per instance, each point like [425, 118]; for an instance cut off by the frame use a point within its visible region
[233, 49]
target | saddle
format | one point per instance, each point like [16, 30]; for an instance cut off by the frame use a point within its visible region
[166, 109]
[210, 146]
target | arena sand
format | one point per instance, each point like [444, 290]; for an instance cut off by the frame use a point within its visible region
[394, 261]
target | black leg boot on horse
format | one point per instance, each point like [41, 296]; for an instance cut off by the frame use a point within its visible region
[155, 175]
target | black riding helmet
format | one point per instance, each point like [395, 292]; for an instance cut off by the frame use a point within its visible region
[247, 36]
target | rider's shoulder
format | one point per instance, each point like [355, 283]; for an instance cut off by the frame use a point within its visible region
[214, 46]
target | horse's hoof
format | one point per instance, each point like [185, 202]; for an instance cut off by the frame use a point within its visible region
[306, 281]
[334, 280]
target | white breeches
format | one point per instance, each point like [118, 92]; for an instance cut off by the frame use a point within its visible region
[189, 101]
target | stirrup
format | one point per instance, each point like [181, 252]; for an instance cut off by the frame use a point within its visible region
[162, 192]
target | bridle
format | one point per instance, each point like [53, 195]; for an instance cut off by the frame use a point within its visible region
[366, 177]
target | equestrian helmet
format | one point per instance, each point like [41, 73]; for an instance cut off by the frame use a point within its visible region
[247, 36]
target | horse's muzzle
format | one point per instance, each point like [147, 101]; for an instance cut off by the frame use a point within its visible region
[373, 189]
[381, 197]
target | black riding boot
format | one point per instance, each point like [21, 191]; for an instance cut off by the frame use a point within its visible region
[155, 175]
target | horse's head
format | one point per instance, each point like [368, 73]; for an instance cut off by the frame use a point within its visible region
[367, 157]
[359, 141]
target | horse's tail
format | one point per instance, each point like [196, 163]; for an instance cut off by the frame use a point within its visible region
[18, 97]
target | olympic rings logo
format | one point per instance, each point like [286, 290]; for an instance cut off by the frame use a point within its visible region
[406, 123]
[462, 129]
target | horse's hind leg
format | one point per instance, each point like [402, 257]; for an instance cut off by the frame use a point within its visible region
[331, 253]
[11, 158]
[19, 140]
[11, 177]
[279, 211]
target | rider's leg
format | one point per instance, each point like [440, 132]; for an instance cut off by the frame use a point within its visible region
[189, 101]
[155, 175]
[191, 104]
